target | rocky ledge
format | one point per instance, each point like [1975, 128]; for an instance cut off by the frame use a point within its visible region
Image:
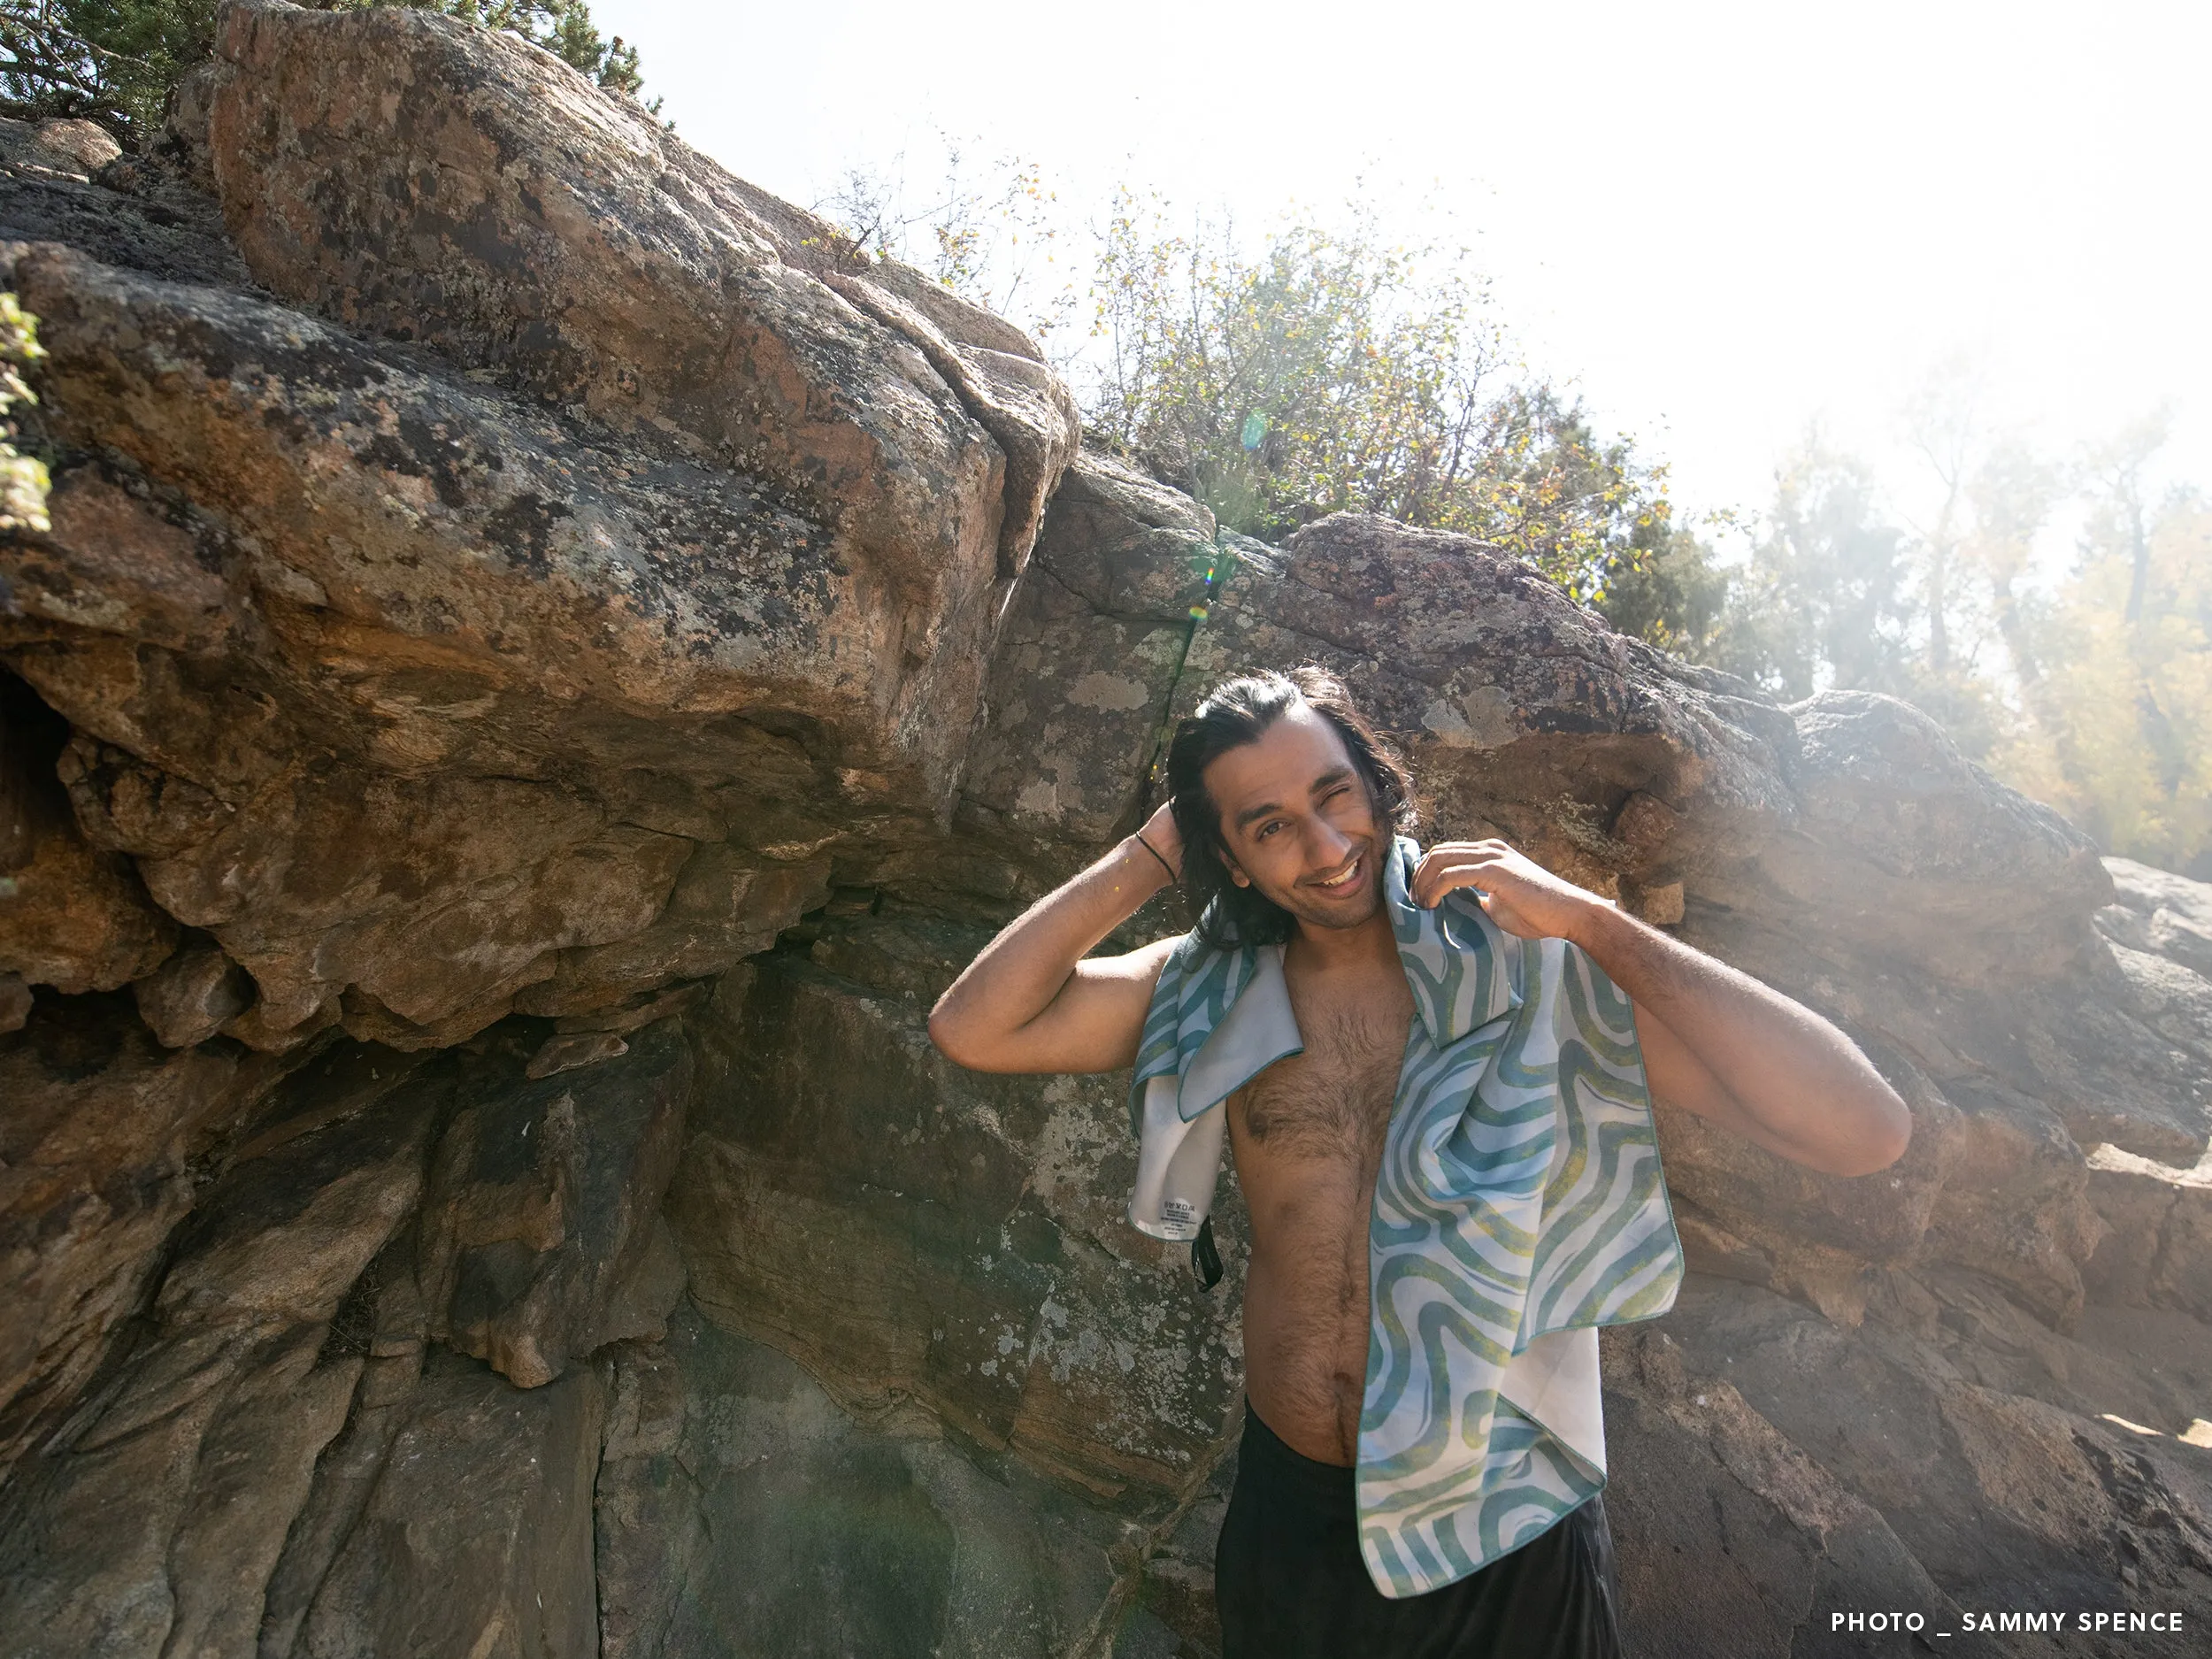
[547, 659]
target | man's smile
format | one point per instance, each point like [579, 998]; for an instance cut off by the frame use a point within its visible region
[1344, 877]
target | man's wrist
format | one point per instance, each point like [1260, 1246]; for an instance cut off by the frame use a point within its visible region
[1169, 871]
[1595, 927]
[1134, 863]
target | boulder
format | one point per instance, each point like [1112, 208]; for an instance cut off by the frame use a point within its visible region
[193, 995]
[2156, 910]
[57, 148]
[417, 179]
[67, 181]
[2020, 1469]
[710, 591]
[2156, 1251]
[1782, 1551]
[155, 1529]
[1905, 849]
[473, 879]
[1087, 659]
[726, 905]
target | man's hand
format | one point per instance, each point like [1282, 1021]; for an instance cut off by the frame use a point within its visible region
[1518, 893]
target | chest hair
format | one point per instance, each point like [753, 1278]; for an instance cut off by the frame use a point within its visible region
[1334, 1100]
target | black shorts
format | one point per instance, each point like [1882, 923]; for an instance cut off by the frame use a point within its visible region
[1290, 1582]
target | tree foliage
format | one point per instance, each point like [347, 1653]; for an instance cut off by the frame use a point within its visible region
[2115, 671]
[2088, 686]
[115, 61]
[1836, 592]
[1675, 595]
[990, 233]
[1325, 369]
[111, 61]
[1335, 370]
[1320, 375]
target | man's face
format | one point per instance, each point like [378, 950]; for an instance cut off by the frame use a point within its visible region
[1298, 822]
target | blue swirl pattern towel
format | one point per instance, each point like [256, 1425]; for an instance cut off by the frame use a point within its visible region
[1519, 1206]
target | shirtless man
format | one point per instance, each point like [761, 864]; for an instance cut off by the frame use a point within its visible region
[1286, 804]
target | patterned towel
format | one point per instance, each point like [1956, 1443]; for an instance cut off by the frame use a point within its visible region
[1519, 1205]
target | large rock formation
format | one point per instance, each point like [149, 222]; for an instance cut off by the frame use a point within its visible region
[546, 661]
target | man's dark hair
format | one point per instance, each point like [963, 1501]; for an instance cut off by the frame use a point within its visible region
[1237, 712]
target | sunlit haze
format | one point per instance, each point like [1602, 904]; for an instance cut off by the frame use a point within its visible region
[1720, 222]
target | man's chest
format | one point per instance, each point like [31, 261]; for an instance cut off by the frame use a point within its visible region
[1333, 1101]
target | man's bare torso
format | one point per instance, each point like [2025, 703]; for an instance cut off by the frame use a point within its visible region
[1308, 1136]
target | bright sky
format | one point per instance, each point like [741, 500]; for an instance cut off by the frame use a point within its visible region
[1720, 221]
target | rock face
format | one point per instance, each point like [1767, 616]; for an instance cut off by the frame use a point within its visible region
[548, 660]
[922, 1234]
[456, 188]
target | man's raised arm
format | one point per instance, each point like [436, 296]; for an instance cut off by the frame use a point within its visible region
[1030, 1002]
[1716, 1041]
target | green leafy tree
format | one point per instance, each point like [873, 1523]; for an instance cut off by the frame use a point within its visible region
[1830, 593]
[1323, 375]
[111, 61]
[1582, 509]
[2116, 667]
[1335, 370]
[1831, 574]
[989, 231]
[1675, 594]
[1822, 596]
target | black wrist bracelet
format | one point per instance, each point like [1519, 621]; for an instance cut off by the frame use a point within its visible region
[1155, 851]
